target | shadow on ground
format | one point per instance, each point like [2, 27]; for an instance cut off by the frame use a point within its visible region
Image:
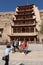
[21, 64]
[26, 52]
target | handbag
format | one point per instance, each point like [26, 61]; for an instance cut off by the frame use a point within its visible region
[3, 58]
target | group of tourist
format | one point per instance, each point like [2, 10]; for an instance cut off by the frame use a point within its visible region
[15, 46]
[19, 45]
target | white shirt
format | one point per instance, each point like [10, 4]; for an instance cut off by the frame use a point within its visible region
[7, 51]
[20, 43]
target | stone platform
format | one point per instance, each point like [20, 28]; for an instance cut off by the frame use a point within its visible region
[35, 57]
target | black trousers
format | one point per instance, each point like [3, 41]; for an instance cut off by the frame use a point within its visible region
[7, 60]
[15, 47]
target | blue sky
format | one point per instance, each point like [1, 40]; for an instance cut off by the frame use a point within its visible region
[10, 5]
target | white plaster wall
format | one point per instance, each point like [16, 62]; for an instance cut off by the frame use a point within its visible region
[16, 8]
[37, 15]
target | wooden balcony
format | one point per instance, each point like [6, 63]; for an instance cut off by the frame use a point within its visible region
[24, 34]
[24, 14]
[23, 25]
[21, 11]
[25, 19]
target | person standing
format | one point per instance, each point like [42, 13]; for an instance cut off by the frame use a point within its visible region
[20, 43]
[16, 44]
[24, 44]
[13, 45]
[7, 51]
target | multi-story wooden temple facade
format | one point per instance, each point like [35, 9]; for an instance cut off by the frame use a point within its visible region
[24, 24]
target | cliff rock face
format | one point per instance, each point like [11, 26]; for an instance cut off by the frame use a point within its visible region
[5, 24]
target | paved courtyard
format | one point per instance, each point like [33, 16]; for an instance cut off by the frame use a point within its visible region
[35, 57]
